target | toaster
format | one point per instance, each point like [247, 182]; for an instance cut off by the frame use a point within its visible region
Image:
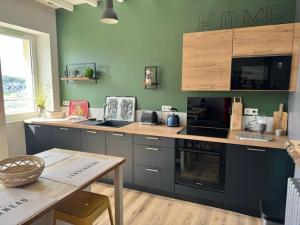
[149, 117]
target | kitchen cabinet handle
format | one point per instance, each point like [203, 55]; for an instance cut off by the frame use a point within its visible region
[38, 126]
[152, 149]
[256, 149]
[152, 170]
[91, 132]
[152, 138]
[62, 128]
[199, 184]
[117, 134]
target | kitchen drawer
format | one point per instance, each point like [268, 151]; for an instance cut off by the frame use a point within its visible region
[200, 193]
[154, 141]
[152, 177]
[66, 138]
[154, 156]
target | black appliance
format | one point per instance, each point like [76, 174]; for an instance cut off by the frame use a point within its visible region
[209, 116]
[200, 164]
[261, 73]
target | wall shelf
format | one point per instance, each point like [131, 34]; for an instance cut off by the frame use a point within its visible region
[79, 79]
[151, 77]
[78, 72]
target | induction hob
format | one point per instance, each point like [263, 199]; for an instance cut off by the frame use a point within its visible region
[205, 131]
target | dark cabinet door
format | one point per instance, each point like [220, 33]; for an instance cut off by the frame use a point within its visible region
[254, 174]
[153, 177]
[38, 138]
[66, 138]
[120, 144]
[93, 141]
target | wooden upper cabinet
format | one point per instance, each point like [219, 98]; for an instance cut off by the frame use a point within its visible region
[206, 63]
[263, 40]
[295, 70]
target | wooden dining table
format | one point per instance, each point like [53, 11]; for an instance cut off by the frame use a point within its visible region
[59, 191]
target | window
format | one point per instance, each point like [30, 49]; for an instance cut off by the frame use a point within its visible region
[17, 73]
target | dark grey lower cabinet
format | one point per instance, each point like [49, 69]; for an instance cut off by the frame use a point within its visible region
[38, 138]
[154, 162]
[254, 174]
[66, 138]
[156, 156]
[120, 144]
[93, 141]
[153, 177]
[154, 141]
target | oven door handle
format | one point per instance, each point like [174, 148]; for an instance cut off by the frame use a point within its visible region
[196, 151]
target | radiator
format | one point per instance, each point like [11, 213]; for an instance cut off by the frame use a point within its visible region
[292, 210]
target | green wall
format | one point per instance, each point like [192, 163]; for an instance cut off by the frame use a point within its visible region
[150, 33]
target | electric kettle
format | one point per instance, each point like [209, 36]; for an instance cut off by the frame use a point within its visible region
[173, 119]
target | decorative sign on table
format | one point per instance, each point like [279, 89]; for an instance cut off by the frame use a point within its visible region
[51, 158]
[79, 171]
[17, 205]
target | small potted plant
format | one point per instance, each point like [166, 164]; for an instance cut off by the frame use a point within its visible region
[40, 100]
[89, 72]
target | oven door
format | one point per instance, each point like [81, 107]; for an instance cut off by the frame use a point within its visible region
[261, 73]
[202, 169]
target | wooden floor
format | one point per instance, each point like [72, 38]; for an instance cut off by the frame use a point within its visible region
[147, 209]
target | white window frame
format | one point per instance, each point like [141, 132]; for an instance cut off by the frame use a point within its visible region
[32, 39]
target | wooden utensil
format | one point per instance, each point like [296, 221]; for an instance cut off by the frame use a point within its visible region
[280, 119]
[237, 114]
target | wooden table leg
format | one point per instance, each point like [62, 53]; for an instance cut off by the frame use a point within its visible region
[118, 181]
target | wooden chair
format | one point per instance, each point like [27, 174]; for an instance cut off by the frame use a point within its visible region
[83, 209]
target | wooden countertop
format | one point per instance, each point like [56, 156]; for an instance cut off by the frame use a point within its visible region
[164, 131]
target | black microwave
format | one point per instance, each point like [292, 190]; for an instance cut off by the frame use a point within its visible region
[261, 73]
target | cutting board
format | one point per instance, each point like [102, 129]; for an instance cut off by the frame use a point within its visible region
[280, 119]
[237, 114]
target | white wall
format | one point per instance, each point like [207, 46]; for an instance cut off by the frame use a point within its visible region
[3, 136]
[37, 17]
[30, 16]
[16, 138]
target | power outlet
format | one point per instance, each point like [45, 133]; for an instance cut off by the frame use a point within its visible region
[251, 111]
[66, 103]
[166, 108]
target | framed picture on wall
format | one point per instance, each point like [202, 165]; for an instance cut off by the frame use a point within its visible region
[120, 108]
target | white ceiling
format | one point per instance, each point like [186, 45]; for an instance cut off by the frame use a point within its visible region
[66, 4]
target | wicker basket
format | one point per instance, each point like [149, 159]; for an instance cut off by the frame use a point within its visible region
[20, 170]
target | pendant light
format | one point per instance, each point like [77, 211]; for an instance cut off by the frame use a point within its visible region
[109, 16]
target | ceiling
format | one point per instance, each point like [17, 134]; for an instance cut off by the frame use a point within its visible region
[67, 4]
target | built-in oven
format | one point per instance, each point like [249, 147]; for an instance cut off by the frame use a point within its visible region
[200, 164]
[261, 73]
